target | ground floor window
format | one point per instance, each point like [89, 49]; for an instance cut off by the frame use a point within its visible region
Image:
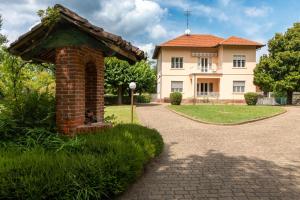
[176, 86]
[204, 88]
[238, 86]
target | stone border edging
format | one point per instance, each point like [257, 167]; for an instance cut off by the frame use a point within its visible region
[223, 124]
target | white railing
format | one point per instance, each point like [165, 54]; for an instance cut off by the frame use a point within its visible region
[197, 69]
[208, 94]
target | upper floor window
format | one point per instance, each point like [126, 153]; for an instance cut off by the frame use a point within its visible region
[176, 86]
[177, 63]
[239, 61]
[238, 86]
[204, 64]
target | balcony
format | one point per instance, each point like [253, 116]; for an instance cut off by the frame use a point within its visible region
[201, 70]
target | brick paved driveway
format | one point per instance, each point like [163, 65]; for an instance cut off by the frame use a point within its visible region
[260, 160]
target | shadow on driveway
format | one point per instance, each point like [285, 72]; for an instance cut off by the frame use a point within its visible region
[217, 176]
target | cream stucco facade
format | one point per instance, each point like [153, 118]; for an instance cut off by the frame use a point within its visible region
[216, 82]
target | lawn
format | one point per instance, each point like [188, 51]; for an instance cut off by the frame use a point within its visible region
[227, 114]
[122, 113]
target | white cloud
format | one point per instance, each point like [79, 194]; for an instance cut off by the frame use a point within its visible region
[148, 48]
[257, 12]
[17, 18]
[182, 4]
[157, 32]
[131, 17]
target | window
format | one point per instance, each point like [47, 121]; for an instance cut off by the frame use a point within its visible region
[239, 61]
[204, 88]
[204, 64]
[238, 86]
[176, 86]
[177, 63]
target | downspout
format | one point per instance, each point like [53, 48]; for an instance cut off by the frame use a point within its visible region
[161, 76]
[194, 89]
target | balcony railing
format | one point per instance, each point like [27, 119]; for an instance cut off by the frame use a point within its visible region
[214, 69]
[208, 94]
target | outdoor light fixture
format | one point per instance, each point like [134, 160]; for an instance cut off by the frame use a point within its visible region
[132, 87]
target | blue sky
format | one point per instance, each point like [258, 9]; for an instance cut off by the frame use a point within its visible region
[149, 22]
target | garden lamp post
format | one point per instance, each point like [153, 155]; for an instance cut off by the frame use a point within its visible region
[132, 87]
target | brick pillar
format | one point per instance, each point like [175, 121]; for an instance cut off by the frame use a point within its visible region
[79, 84]
[99, 60]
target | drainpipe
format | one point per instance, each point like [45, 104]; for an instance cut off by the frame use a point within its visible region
[194, 102]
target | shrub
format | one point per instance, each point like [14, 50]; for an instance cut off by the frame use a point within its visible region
[175, 98]
[30, 110]
[94, 166]
[251, 98]
[144, 98]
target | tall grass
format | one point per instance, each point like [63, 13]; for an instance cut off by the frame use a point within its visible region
[94, 166]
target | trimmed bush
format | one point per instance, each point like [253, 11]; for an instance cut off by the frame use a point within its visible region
[175, 98]
[94, 166]
[144, 98]
[251, 98]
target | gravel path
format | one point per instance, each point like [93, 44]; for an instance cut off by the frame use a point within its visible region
[260, 160]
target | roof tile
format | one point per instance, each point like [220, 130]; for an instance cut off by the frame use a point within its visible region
[194, 41]
[239, 41]
[198, 40]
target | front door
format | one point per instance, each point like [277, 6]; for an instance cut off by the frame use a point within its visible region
[204, 89]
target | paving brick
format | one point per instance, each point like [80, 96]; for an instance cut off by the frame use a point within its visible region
[255, 161]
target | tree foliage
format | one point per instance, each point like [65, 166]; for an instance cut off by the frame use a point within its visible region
[27, 96]
[144, 76]
[116, 76]
[49, 16]
[3, 38]
[280, 70]
[119, 73]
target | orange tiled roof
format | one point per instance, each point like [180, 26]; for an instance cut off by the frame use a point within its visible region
[239, 41]
[194, 41]
[197, 40]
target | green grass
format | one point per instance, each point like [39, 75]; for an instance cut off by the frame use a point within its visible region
[227, 114]
[122, 113]
[92, 166]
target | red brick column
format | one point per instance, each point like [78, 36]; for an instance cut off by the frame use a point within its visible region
[79, 84]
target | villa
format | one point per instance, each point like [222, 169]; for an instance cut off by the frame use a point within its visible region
[206, 67]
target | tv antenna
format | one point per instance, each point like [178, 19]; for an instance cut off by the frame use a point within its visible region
[187, 13]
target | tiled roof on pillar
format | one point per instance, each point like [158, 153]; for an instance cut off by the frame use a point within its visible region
[40, 42]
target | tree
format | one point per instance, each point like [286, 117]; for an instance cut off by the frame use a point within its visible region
[116, 75]
[3, 38]
[280, 70]
[144, 76]
[28, 96]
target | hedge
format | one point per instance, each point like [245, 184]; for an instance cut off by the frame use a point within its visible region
[113, 100]
[143, 98]
[93, 166]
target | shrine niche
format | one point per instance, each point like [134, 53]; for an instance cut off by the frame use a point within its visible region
[77, 48]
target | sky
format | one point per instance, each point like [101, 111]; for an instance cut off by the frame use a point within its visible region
[146, 23]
